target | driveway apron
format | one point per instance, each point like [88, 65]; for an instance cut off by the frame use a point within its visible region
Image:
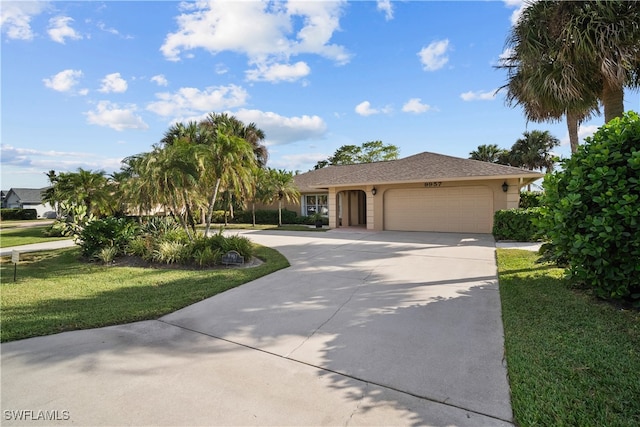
[364, 328]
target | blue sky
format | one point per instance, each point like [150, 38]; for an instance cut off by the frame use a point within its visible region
[85, 84]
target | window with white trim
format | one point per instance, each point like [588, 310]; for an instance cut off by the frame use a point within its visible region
[315, 203]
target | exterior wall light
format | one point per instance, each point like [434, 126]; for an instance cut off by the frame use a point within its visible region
[505, 186]
[374, 191]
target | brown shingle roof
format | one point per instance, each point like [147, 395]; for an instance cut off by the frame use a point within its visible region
[420, 167]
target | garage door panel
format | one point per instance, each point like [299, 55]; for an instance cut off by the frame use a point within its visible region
[449, 209]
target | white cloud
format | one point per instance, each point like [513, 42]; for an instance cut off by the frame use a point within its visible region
[15, 18]
[189, 101]
[434, 56]
[415, 105]
[34, 161]
[504, 57]
[386, 7]
[221, 69]
[301, 162]
[111, 115]
[59, 29]
[365, 109]
[160, 80]
[520, 5]
[479, 95]
[267, 32]
[586, 131]
[64, 81]
[583, 132]
[284, 130]
[113, 83]
[279, 72]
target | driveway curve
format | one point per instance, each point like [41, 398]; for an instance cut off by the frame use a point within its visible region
[364, 328]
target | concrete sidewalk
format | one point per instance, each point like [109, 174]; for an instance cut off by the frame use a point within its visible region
[35, 247]
[382, 328]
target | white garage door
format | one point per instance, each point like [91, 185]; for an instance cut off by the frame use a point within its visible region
[448, 209]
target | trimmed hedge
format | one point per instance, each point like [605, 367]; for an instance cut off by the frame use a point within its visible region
[530, 199]
[19, 214]
[267, 217]
[517, 224]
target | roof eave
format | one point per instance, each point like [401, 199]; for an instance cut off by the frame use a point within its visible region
[528, 177]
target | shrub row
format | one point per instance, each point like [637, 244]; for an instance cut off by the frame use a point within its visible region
[19, 214]
[517, 224]
[264, 217]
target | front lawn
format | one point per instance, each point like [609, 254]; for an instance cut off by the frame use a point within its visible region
[56, 291]
[24, 236]
[572, 360]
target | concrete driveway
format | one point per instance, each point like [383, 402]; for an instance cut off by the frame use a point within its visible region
[364, 328]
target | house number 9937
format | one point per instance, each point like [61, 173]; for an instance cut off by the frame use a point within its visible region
[433, 184]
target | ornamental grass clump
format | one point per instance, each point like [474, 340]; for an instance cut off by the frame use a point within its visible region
[591, 212]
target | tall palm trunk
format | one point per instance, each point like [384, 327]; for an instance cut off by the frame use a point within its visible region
[253, 212]
[188, 212]
[279, 213]
[613, 101]
[210, 210]
[177, 213]
[572, 126]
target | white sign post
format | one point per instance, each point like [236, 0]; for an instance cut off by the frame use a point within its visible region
[15, 258]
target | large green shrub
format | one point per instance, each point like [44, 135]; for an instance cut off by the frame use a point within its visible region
[18, 214]
[517, 224]
[592, 211]
[107, 232]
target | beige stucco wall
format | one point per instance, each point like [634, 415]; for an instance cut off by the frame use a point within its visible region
[375, 204]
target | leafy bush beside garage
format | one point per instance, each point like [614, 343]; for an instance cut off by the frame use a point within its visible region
[517, 224]
[592, 211]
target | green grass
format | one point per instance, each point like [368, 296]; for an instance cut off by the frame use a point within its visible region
[57, 292]
[24, 236]
[572, 360]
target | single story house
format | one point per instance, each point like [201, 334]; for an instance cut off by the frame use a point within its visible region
[423, 192]
[30, 198]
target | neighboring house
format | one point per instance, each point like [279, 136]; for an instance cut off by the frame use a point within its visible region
[30, 198]
[424, 192]
[3, 203]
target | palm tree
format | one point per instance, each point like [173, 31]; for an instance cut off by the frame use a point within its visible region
[567, 55]
[50, 195]
[533, 152]
[85, 188]
[535, 89]
[488, 153]
[249, 133]
[166, 176]
[261, 190]
[282, 187]
[231, 163]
